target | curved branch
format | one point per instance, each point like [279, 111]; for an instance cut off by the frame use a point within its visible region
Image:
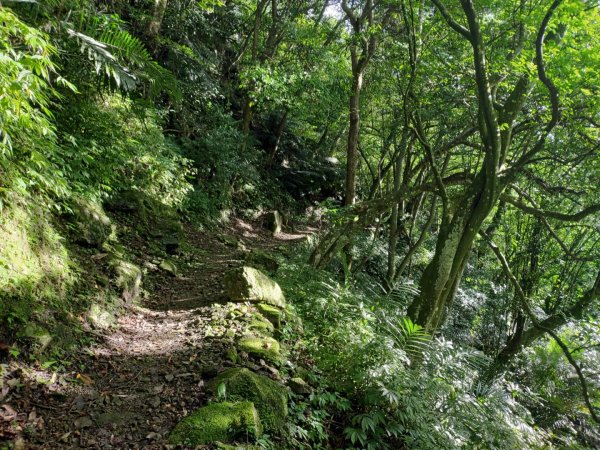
[450, 20]
[576, 217]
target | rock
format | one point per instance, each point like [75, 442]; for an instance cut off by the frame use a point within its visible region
[274, 221]
[230, 241]
[129, 279]
[299, 386]
[273, 314]
[37, 334]
[261, 325]
[262, 259]
[261, 347]
[100, 317]
[268, 396]
[250, 284]
[168, 266]
[89, 224]
[223, 422]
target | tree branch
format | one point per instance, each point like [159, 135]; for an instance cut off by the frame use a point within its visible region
[527, 308]
[576, 217]
[450, 20]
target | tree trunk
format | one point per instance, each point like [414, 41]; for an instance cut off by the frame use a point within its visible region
[158, 14]
[352, 150]
[393, 241]
[442, 275]
[278, 134]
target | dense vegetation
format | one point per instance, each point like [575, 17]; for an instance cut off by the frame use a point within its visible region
[448, 152]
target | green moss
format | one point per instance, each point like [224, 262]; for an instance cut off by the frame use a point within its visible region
[36, 272]
[89, 224]
[262, 347]
[224, 422]
[250, 284]
[261, 325]
[272, 313]
[221, 446]
[129, 279]
[269, 397]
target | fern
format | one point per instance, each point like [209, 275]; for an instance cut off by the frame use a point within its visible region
[118, 55]
[406, 334]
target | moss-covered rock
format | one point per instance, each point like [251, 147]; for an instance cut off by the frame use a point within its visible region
[88, 223]
[261, 325]
[269, 397]
[218, 422]
[250, 284]
[128, 279]
[299, 386]
[262, 259]
[271, 313]
[102, 316]
[261, 347]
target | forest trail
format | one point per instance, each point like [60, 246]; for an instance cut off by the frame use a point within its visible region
[129, 387]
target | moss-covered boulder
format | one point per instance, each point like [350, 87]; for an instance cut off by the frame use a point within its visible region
[299, 386]
[261, 347]
[128, 279]
[269, 397]
[88, 223]
[250, 284]
[218, 422]
[271, 313]
[261, 325]
[262, 259]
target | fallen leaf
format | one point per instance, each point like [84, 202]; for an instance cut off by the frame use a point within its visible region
[84, 379]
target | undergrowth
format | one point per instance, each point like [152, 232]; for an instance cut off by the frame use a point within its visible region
[407, 390]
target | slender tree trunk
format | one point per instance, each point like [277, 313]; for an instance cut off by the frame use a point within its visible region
[278, 134]
[393, 240]
[353, 132]
[247, 108]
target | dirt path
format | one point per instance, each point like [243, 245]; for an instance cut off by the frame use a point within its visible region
[130, 387]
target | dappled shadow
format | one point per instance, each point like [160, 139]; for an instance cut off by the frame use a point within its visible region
[130, 387]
